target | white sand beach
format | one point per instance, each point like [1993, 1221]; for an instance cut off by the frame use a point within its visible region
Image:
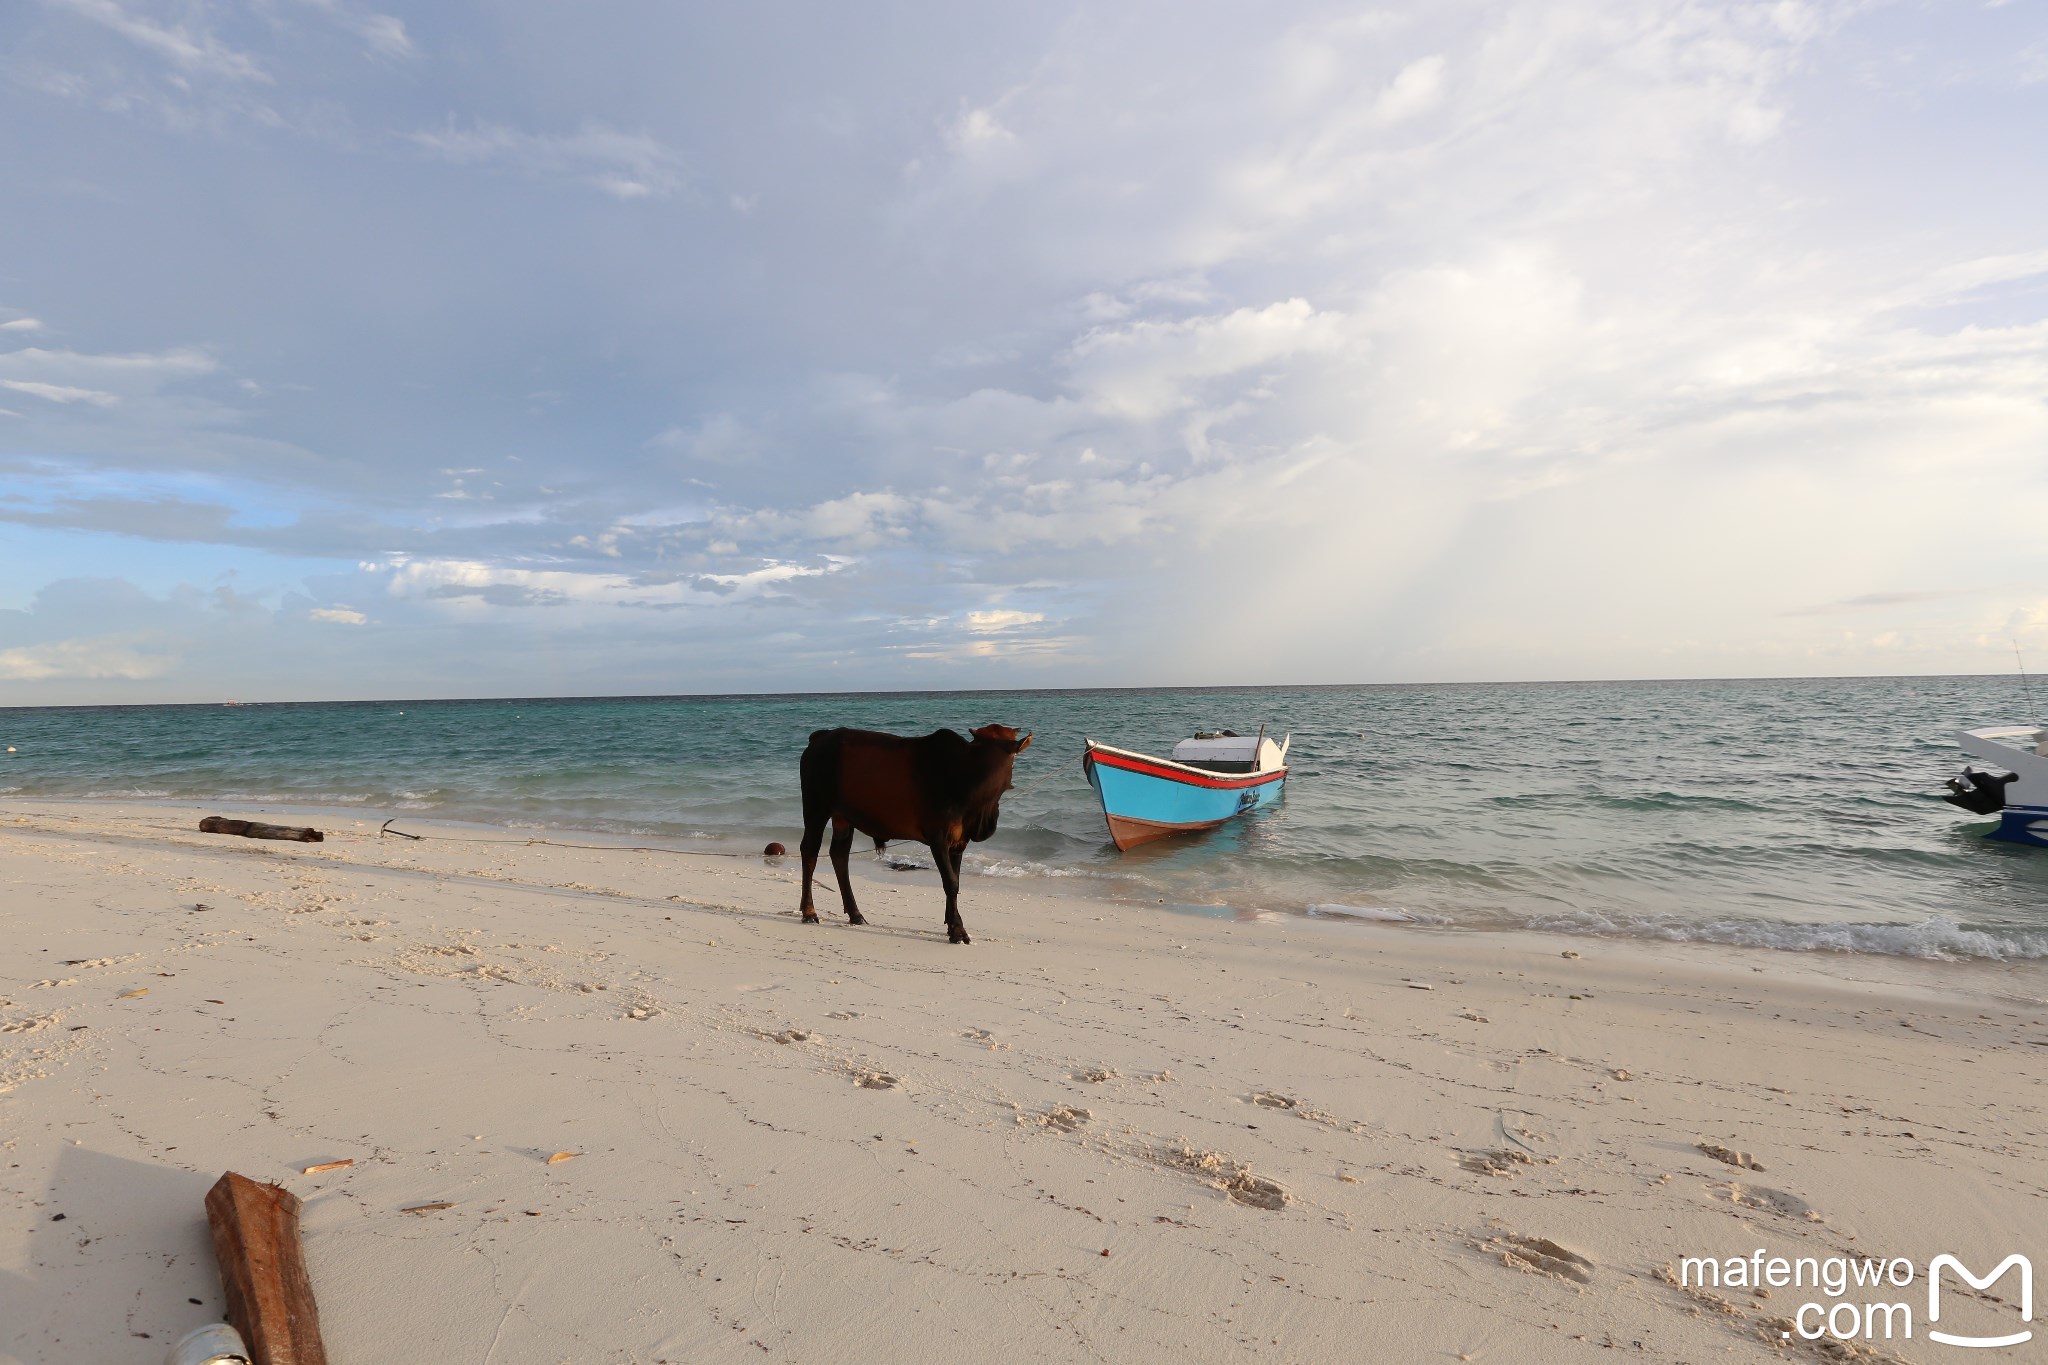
[1103, 1132]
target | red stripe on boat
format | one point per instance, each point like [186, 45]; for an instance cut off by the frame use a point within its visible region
[1136, 765]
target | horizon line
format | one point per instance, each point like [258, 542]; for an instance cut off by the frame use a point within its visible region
[998, 691]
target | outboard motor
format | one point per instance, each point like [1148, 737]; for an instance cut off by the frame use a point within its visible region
[1979, 793]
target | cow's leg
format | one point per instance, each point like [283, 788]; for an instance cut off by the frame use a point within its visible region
[842, 845]
[948, 860]
[814, 835]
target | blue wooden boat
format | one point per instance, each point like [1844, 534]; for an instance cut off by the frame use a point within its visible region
[1209, 779]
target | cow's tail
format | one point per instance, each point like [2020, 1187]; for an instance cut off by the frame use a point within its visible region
[819, 772]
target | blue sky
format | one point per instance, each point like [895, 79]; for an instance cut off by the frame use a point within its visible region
[358, 350]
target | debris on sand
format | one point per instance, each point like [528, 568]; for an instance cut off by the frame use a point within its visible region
[1726, 1155]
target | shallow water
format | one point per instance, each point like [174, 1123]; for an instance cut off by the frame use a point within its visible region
[1796, 814]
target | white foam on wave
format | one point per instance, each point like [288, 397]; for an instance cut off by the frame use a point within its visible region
[1939, 940]
[1378, 914]
[1025, 868]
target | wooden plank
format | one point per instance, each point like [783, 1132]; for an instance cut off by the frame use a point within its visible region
[256, 829]
[263, 1271]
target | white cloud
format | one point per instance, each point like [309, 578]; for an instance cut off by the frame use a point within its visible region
[1417, 90]
[474, 585]
[383, 34]
[197, 51]
[130, 372]
[340, 616]
[1480, 338]
[978, 132]
[22, 325]
[61, 393]
[86, 658]
[1148, 369]
[386, 35]
[996, 620]
[623, 165]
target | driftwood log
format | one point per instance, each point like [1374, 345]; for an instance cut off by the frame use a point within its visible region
[263, 1271]
[255, 829]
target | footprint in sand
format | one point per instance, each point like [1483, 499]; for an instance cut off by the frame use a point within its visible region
[1770, 1201]
[875, 1080]
[1266, 1099]
[32, 1024]
[1066, 1118]
[1227, 1174]
[1503, 1162]
[1256, 1191]
[1539, 1256]
[789, 1035]
[1096, 1075]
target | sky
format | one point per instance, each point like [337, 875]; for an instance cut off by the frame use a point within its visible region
[354, 350]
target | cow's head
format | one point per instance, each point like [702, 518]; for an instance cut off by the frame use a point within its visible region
[1003, 737]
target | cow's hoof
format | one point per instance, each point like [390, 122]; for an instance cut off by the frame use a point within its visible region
[810, 917]
[855, 917]
[959, 938]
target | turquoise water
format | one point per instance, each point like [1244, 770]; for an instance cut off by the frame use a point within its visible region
[1796, 814]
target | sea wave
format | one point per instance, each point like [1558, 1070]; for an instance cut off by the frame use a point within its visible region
[1378, 914]
[1023, 867]
[1938, 940]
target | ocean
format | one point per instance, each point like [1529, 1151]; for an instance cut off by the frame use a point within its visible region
[1796, 814]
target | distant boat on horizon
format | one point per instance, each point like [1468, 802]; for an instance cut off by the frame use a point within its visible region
[1210, 778]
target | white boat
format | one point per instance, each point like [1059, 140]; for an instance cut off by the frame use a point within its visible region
[2018, 796]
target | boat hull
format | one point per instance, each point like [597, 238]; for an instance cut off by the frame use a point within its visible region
[2021, 800]
[2022, 825]
[1144, 799]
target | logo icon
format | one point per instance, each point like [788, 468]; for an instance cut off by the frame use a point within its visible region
[1934, 1269]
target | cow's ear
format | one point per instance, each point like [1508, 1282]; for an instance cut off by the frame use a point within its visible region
[1022, 744]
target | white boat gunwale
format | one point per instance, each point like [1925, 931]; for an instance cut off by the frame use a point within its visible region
[1208, 774]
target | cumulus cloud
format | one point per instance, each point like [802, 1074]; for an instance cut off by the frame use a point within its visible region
[1416, 90]
[1147, 369]
[1479, 339]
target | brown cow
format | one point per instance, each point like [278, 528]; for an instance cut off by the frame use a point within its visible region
[940, 790]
